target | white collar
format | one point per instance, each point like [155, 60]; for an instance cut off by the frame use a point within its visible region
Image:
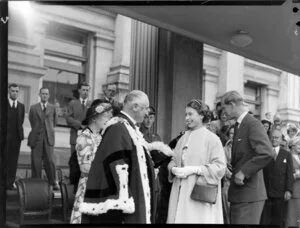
[84, 100]
[129, 117]
[241, 117]
[46, 104]
[277, 148]
[11, 101]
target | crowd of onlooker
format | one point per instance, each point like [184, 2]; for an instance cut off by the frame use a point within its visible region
[85, 117]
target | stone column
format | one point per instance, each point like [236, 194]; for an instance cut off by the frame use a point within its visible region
[102, 57]
[289, 106]
[231, 73]
[119, 70]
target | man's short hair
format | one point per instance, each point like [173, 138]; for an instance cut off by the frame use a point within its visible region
[83, 84]
[232, 96]
[218, 104]
[111, 87]
[276, 130]
[151, 111]
[13, 85]
[44, 88]
[133, 95]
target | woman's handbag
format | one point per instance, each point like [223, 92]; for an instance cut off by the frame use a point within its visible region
[206, 193]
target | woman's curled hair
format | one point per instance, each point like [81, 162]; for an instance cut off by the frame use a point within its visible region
[201, 108]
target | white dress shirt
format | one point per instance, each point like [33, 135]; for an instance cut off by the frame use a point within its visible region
[241, 117]
[276, 150]
[84, 100]
[11, 102]
[42, 105]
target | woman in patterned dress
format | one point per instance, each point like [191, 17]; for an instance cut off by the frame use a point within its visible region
[86, 146]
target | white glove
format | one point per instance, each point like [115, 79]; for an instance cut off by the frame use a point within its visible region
[156, 171]
[297, 174]
[186, 171]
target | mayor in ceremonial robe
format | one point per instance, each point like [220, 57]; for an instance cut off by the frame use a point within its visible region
[120, 182]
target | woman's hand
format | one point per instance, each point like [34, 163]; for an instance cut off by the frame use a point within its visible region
[185, 171]
[297, 174]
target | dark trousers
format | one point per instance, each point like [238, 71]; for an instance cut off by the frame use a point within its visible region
[274, 212]
[246, 213]
[73, 148]
[12, 155]
[43, 153]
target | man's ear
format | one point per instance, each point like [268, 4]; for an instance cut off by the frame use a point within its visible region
[134, 107]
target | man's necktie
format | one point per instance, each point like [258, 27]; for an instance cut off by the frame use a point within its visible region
[15, 104]
[82, 104]
[44, 108]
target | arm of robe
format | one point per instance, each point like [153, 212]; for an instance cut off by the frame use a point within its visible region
[261, 147]
[213, 172]
[108, 191]
[71, 121]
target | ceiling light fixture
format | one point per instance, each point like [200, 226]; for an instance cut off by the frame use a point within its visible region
[241, 39]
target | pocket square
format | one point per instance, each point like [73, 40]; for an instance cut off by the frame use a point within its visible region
[239, 140]
[284, 161]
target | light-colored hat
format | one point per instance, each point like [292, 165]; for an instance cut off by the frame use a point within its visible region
[292, 126]
[295, 141]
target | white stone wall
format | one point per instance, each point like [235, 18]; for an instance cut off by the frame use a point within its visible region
[280, 91]
[109, 37]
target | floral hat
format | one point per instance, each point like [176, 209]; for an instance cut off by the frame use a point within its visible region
[96, 110]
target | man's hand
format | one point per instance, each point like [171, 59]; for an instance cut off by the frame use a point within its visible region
[239, 178]
[287, 196]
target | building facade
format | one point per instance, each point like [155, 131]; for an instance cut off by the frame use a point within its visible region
[59, 46]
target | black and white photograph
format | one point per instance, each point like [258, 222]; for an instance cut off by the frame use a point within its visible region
[150, 112]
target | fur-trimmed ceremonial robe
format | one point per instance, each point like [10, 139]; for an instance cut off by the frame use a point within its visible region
[120, 182]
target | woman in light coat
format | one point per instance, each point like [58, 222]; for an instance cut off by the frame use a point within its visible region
[199, 157]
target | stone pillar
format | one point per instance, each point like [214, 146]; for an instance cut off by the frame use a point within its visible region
[119, 70]
[102, 56]
[289, 106]
[271, 101]
[231, 73]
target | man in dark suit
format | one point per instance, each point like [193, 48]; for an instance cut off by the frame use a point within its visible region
[251, 152]
[76, 113]
[278, 176]
[42, 117]
[110, 93]
[15, 134]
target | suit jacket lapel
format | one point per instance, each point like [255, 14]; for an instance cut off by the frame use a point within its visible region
[280, 156]
[39, 110]
[48, 109]
[238, 134]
